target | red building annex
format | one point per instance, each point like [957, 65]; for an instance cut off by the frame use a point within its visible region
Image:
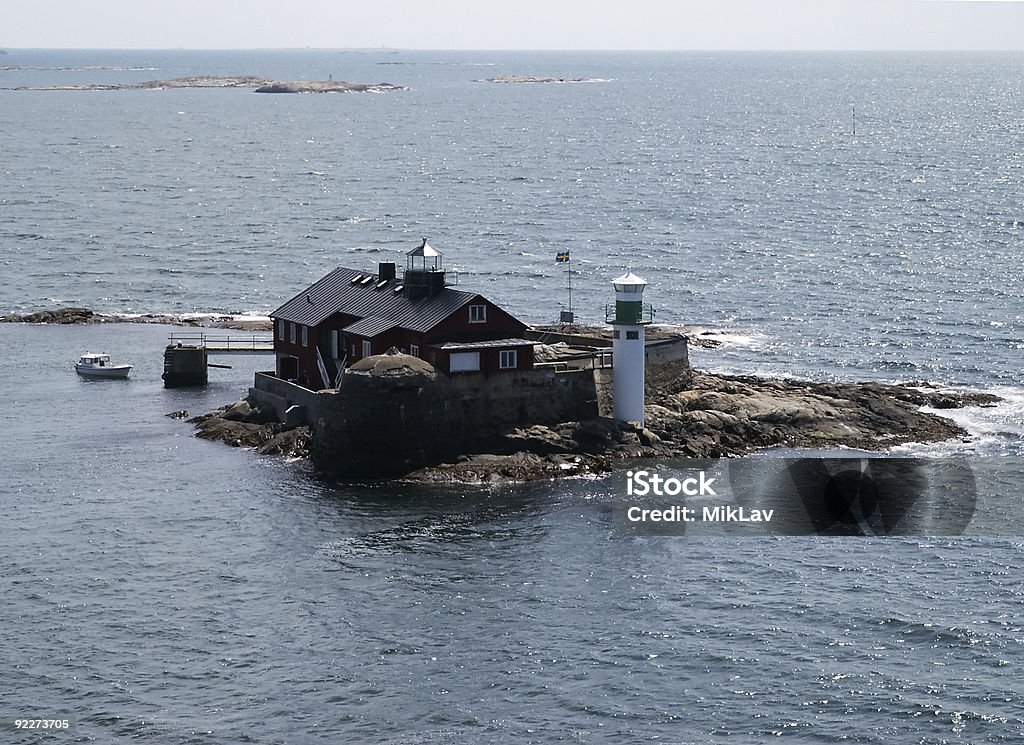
[351, 314]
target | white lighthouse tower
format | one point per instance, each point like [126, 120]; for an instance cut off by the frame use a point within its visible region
[628, 322]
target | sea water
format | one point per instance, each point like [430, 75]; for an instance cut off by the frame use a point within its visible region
[834, 217]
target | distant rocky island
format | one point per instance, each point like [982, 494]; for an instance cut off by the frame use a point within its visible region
[259, 84]
[539, 79]
[70, 68]
[74, 316]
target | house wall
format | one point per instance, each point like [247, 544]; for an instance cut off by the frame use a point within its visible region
[458, 327]
[306, 354]
[400, 339]
[490, 360]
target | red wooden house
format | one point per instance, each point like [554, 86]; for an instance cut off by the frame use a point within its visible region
[351, 314]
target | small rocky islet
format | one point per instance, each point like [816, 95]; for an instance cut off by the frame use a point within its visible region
[258, 84]
[534, 79]
[689, 414]
[72, 316]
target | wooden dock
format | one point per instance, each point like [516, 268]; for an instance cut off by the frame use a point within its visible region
[225, 343]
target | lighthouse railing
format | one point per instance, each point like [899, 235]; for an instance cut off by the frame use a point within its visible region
[613, 314]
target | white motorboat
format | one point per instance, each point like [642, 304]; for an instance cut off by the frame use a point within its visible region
[93, 365]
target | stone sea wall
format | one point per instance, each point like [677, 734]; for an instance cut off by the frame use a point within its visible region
[380, 425]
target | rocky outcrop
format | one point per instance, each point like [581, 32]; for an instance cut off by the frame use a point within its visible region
[395, 416]
[329, 86]
[260, 84]
[244, 424]
[60, 315]
[699, 415]
[536, 79]
[84, 315]
[195, 81]
[731, 415]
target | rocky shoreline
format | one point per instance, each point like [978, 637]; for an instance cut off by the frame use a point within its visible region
[259, 84]
[244, 425]
[71, 316]
[690, 414]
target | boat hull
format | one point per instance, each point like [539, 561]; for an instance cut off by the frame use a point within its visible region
[112, 372]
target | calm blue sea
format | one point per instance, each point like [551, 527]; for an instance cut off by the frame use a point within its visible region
[829, 216]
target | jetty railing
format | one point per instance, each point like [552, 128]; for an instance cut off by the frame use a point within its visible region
[226, 342]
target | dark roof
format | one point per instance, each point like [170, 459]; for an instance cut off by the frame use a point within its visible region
[424, 249]
[369, 326]
[489, 344]
[338, 293]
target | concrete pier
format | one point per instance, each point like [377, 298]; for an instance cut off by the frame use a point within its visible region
[186, 358]
[185, 365]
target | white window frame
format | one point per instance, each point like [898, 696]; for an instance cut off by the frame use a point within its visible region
[305, 336]
[280, 329]
[414, 350]
[291, 332]
[478, 314]
[367, 348]
[508, 359]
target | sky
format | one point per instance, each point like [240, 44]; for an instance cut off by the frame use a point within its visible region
[515, 24]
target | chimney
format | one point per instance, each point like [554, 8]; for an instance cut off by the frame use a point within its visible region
[386, 270]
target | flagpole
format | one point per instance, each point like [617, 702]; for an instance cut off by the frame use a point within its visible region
[565, 257]
[568, 266]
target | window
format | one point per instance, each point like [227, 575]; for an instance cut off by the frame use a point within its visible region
[632, 334]
[367, 349]
[615, 334]
[464, 362]
[414, 350]
[508, 359]
[280, 329]
[291, 333]
[305, 336]
[478, 314]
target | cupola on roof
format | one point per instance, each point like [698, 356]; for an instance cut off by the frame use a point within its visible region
[424, 249]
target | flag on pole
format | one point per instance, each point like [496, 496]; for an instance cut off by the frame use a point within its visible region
[562, 257]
